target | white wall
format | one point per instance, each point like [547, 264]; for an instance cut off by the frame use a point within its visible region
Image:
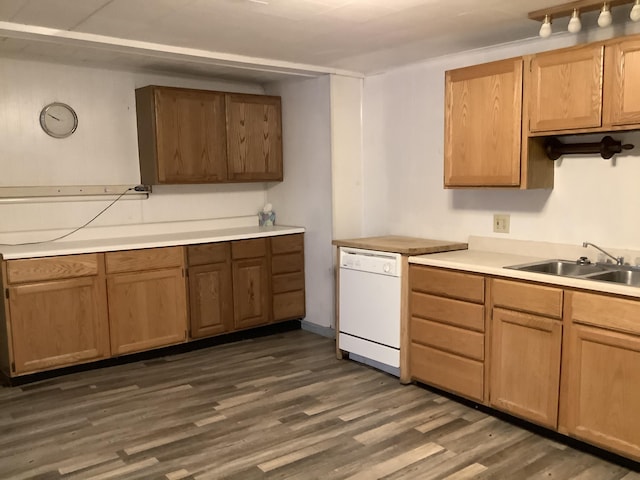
[304, 198]
[346, 156]
[403, 133]
[103, 150]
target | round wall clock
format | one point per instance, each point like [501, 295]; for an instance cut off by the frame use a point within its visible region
[58, 120]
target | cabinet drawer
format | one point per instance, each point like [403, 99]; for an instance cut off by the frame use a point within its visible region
[599, 310]
[208, 253]
[287, 243]
[287, 282]
[448, 338]
[447, 283]
[290, 262]
[288, 305]
[52, 268]
[446, 310]
[248, 248]
[527, 298]
[145, 259]
[447, 371]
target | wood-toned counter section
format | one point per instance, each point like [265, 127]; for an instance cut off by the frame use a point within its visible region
[402, 245]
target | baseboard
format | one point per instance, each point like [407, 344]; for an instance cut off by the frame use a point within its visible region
[318, 329]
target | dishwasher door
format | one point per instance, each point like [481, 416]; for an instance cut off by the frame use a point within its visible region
[369, 305]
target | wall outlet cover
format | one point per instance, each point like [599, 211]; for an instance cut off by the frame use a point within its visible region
[501, 222]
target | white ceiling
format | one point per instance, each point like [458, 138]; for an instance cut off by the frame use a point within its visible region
[364, 36]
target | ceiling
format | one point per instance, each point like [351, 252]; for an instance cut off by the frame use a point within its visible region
[360, 36]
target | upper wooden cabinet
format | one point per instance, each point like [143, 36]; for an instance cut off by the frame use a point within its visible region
[483, 130]
[254, 137]
[622, 95]
[181, 135]
[589, 88]
[482, 124]
[566, 89]
[200, 136]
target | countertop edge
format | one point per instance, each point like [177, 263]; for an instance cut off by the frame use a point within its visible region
[471, 265]
[144, 241]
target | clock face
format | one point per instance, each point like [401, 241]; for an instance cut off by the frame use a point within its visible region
[58, 120]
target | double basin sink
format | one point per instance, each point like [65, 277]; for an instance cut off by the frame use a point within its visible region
[603, 272]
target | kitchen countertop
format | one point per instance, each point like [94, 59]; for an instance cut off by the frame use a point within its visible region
[492, 263]
[109, 244]
[401, 244]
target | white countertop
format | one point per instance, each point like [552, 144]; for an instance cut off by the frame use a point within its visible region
[108, 244]
[493, 263]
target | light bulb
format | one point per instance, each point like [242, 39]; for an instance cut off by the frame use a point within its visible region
[604, 19]
[635, 11]
[575, 25]
[545, 29]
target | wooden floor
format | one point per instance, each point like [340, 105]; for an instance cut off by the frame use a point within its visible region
[277, 407]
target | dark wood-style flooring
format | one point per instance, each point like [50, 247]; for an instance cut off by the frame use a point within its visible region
[276, 407]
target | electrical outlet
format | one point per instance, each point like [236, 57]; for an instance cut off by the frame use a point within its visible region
[501, 222]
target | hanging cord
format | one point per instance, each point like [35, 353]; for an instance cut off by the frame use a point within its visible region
[72, 231]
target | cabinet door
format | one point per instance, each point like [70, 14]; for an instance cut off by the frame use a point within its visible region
[621, 94]
[566, 89]
[146, 310]
[604, 389]
[250, 292]
[190, 136]
[525, 365]
[210, 299]
[483, 120]
[58, 323]
[254, 137]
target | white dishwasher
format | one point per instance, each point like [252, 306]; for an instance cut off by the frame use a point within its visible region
[369, 307]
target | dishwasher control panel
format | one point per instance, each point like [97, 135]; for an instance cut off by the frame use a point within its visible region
[371, 261]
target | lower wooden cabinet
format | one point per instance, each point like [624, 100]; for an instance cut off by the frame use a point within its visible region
[525, 365]
[287, 277]
[603, 372]
[66, 310]
[58, 323]
[55, 313]
[447, 330]
[250, 292]
[210, 299]
[210, 289]
[245, 283]
[526, 346]
[147, 310]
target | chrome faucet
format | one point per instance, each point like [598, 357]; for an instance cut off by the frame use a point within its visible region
[619, 260]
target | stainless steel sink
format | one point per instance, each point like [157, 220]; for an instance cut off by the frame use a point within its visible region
[603, 272]
[624, 277]
[563, 268]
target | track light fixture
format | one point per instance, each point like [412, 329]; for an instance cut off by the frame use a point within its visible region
[545, 28]
[575, 8]
[635, 11]
[605, 18]
[575, 25]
